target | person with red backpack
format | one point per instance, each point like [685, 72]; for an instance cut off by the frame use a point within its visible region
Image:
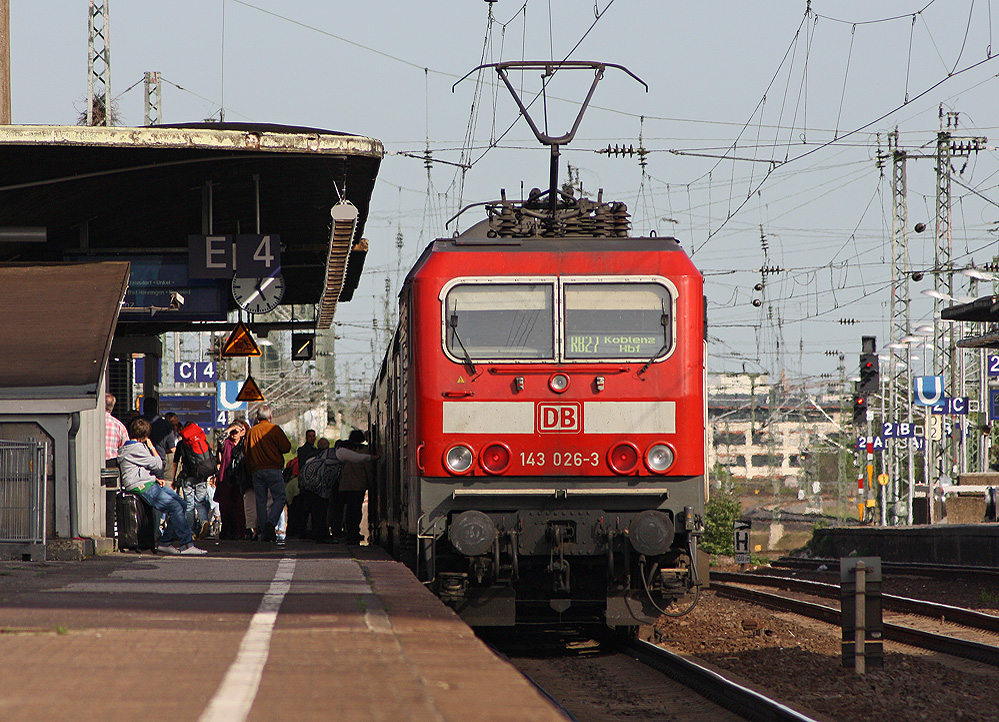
[196, 467]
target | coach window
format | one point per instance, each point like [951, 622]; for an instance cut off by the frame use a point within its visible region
[499, 321]
[617, 320]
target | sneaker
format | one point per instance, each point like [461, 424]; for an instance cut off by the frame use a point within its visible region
[167, 549]
[206, 529]
[192, 550]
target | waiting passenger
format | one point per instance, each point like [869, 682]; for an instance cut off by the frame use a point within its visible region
[115, 433]
[266, 446]
[346, 506]
[140, 463]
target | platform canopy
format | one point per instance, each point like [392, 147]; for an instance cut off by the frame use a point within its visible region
[981, 310]
[77, 193]
[54, 345]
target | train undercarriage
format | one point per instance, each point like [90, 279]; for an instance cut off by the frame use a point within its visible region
[542, 566]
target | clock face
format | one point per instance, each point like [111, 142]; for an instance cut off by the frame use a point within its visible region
[258, 295]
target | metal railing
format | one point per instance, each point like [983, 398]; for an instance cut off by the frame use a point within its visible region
[23, 483]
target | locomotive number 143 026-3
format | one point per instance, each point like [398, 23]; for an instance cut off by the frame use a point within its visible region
[559, 458]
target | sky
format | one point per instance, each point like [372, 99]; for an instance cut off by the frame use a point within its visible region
[763, 125]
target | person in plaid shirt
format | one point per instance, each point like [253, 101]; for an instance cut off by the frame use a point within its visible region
[115, 433]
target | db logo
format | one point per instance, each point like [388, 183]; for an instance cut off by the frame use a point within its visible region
[558, 418]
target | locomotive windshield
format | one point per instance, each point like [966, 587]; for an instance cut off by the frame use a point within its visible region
[616, 320]
[591, 320]
[500, 321]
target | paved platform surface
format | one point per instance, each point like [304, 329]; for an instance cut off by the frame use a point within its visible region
[253, 631]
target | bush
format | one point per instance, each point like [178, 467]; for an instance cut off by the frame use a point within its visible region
[719, 515]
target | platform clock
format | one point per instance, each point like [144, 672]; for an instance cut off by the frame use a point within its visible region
[258, 295]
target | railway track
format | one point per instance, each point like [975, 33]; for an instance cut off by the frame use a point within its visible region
[933, 571]
[936, 627]
[603, 677]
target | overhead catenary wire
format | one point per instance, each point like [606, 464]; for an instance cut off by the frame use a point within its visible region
[809, 237]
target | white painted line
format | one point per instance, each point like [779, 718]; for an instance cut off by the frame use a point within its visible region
[375, 618]
[234, 697]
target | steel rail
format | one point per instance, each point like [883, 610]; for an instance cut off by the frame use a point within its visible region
[976, 651]
[725, 693]
[924, 608]
[917, 568]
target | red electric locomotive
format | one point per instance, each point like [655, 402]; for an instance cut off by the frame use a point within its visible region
[540, 419]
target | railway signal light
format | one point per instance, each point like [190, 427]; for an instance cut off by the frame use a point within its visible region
[303, 346]
[870, 373]
[859, 409]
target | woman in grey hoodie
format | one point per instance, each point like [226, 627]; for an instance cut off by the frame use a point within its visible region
[139, 464]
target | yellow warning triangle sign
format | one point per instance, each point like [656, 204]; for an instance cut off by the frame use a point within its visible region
[240, 343]
[250, 391]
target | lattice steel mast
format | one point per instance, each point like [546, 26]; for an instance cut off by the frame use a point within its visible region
[99, 64]
[154, 97]
[899, 372]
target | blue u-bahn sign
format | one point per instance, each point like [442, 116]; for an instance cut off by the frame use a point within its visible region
[927, 390]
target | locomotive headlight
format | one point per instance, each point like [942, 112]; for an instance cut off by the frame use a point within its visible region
[495, 458]
[458, 459]
[558, 383]
[659, 458]
[651, 533]
[472, 533]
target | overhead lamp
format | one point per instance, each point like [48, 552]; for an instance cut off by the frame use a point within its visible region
[933, 293]
[978, 274]
[925, 328]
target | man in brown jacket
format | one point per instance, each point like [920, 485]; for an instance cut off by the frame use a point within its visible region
[266, 446]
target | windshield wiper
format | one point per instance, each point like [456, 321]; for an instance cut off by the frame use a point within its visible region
[469, 366]
[664, 319]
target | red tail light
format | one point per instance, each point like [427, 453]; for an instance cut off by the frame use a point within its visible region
[623, 458]
[495, 458]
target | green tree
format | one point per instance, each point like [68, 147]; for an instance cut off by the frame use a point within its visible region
[719, 514]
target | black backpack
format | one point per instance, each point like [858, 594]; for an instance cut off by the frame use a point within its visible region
[321, 473]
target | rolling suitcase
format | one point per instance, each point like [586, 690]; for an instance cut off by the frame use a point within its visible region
[135, 520]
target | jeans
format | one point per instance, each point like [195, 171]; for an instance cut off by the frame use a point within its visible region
[271, 480]
[167, 500]
[196, 499]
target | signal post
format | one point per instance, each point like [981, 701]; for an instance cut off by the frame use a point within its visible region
[866, 391]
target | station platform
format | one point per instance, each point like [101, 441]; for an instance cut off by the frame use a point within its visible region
[252, 631]
[974, 545]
